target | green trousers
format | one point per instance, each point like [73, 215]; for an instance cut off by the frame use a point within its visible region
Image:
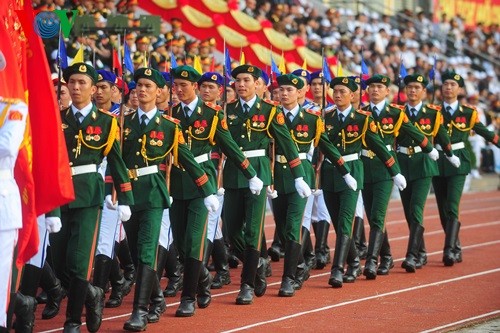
[413, 198]
[288, 210]
[73, 247]
[342, 207]
[244, 215]
[189, 220]
[376, 198]
[143, 234]
[448, 192]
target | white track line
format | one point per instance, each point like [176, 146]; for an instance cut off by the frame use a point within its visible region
[467, 320]
[395, 292]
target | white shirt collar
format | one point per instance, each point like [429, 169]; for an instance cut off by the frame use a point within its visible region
[149, 114]
[85, 111]
[380, 106]
[250, 103]
[346, 111]
[191, 106]
[294, 111]
[416, 107]
[454, 106]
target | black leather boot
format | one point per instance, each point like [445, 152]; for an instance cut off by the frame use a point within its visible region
[374, 245]
[219, 256]
[458, 251]
[260, 278]
[263, 254]
[452, 229]
[157, 304]
[292, 251]
[77, 293]
[120, 287]
[55, 292]
[203, 294]
[192, 269]
[307, 249]
[303, 269]
[248, 276]
[174, 273]
[126, 262]
[359, 237]
[410, 263]
[144, 284]
[24, 309]
[422, 255]
[275, 249]
[102, 268]
[386, 261]
[353, 264]
[322, 228]
[341, 249]
[94, 305]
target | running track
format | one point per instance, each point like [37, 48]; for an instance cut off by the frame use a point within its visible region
[434, 299]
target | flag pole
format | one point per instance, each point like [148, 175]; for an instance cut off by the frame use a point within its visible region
[59, 71]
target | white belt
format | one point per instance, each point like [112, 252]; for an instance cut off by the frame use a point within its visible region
[347, 158]
[454, 146]
[254, 153]
[371, 154]
[6, 174]
[282, 158]
[81, 169]
[409, 150]
[202, 158]
[134, 173]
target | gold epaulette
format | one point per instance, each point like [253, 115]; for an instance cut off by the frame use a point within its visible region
[106, 112]
[315, 113]
[364, 112]
[172, 119]
[434, 106]
[397, 106]
[213, 106]
[469, 106]
[269, 101]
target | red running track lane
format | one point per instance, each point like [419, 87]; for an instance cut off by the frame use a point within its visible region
[436, 298]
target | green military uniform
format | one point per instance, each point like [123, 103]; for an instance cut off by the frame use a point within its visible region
[244, 212]
[418, 170]
[378, 183]
[357, 129]
[459, 120]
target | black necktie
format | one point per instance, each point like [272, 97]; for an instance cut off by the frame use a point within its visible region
[290, 116]
[186, 111]
[78, 117]
[375, 110]
[341, 118]
[246, 108]
[143, 121]
[413, 112]
[449, 109]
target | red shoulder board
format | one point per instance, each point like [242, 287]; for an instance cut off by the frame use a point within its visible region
[107, 112]
[172, 119]
[434, 106]
[397, 106]
[213, 106]
[268, 101]
[366, 113]
[469, 106]
[315, 113]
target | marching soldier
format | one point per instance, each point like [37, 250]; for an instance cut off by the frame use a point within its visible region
[306, 129]
[90, 135]
[391, 121]
[105, 88]
[418, 168]
[148, 138]
[252, 123]
[458, 120]
[203, 126]
[349, 130]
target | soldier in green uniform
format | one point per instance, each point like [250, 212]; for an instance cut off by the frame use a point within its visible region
[90, 134]
[418, 168]
[349, 130]
[203, 126]
[306, 129]
[459, 120]
[148, 137]
[390, 121]
[252, 123]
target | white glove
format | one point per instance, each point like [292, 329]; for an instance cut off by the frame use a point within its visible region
[211, 203]
[109, 202]
[399, 181]
[271, 194]
[433, 154]
[221, 191]
[317, 192]
[302, 188]
[53, 224]
[255, 185]
[171, 200]
[351, 182]
[124, 213]
[454, 160]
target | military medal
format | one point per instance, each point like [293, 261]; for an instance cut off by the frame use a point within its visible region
[89, 131]
[160, 136]
[97, 132]
[152, 135]
[262, 120]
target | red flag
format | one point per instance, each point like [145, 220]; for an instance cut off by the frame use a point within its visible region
[51, 172]
[117, 66]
